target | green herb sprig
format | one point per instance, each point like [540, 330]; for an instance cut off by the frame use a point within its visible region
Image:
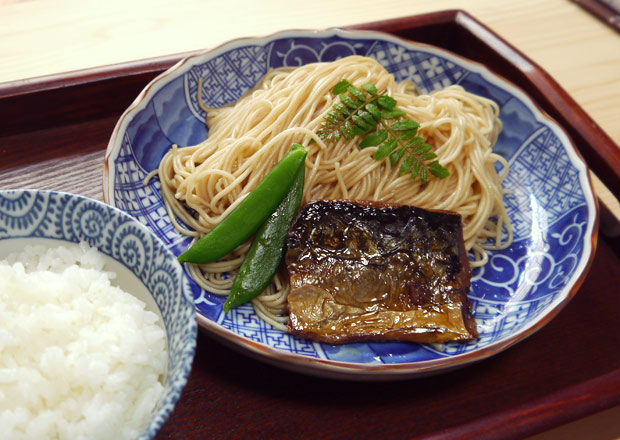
[365, 112]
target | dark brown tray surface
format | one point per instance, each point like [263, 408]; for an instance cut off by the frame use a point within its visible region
[54, 134]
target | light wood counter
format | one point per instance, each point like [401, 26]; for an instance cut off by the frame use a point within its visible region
[39, 37]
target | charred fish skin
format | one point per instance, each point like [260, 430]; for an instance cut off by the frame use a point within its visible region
[364, 271]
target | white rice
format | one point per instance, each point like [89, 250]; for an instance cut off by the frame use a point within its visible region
[79, 358]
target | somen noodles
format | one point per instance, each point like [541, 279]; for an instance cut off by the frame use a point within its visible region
[202, 184]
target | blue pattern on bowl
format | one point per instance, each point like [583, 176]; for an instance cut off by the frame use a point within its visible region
[73, 218]
[551, 204]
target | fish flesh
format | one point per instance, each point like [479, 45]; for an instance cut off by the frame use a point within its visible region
[369, 271]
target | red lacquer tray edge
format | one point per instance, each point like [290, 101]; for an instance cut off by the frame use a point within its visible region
[600, 152]
[577, 401]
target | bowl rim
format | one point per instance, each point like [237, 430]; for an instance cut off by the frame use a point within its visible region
[157, 418]
[369, 371]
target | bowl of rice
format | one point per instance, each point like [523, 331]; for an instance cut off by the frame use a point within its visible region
[98, 324]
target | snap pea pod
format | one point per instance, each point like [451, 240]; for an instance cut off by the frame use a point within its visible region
[251, 213]
[265, 254]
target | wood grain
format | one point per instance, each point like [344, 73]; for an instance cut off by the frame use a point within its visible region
[608, 11]
[40, 38]
[60, 146]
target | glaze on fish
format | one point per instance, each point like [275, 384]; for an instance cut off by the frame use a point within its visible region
[364, 271]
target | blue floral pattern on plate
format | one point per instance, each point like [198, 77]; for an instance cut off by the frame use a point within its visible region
[73, 218]
[551, 204]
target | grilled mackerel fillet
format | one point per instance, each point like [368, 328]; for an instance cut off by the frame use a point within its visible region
[362, 271]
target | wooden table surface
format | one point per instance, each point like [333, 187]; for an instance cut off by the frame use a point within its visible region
[39, 37]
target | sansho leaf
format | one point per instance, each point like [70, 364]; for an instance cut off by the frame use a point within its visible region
[341, 87]
[385, 149]
[363, 112]
[374, 138]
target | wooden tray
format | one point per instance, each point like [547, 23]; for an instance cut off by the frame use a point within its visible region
[53, 136]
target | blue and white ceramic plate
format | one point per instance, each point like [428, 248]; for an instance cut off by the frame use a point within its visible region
[551, 203]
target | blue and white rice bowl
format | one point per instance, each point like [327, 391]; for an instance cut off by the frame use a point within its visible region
[550, 202]
[142, 264]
